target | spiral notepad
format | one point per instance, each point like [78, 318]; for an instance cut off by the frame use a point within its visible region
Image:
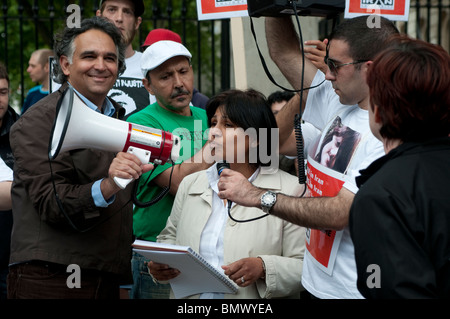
[196, 274]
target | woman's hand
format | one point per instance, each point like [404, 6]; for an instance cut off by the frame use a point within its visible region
[246, 271]
[161, 272]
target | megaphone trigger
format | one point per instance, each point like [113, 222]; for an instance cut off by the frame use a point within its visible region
[144, 157]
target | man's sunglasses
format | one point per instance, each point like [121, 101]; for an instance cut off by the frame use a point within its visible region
[334, 68]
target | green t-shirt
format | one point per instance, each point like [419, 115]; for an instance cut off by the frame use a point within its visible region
[148, 222]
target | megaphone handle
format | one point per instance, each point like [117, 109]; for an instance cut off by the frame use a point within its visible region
[144, 157]
[122, 182]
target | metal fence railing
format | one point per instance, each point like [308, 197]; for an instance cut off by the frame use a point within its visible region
[27, 25]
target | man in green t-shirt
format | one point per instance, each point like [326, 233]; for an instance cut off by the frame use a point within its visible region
[168, 75]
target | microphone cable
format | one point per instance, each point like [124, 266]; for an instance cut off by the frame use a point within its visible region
[165, 190]
[298, 117]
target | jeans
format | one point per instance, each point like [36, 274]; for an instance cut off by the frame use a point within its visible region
[3, 275]
[43, 280]
[143, 285]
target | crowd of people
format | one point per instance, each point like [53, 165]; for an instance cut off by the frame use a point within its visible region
[372, 220]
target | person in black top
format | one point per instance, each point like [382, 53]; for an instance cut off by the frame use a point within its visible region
[400, 218]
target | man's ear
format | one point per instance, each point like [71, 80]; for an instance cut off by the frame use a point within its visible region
[365, 67]
[368, 64]
[64, 63]
[138, 23]
[147, 86]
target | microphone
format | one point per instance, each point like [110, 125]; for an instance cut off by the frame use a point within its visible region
[220, 167]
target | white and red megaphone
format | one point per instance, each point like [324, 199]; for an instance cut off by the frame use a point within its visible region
[78, 126]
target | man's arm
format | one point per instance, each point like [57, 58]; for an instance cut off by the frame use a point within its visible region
[319, 213]
[284, 49]
[200, 161]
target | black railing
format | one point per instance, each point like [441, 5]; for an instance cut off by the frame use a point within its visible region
[27, 25]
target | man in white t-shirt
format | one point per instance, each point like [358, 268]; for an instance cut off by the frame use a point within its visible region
[338, 108]
[128, 90]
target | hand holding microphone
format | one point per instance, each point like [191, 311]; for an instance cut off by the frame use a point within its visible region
[233, 184]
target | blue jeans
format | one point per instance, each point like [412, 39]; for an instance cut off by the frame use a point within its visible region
[143, 285]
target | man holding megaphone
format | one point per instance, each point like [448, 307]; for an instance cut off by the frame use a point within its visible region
[72, 223]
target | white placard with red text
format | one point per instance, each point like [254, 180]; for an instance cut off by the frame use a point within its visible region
[396, 10]
[221, 9]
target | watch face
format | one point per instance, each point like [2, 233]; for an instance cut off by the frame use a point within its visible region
[269, 198]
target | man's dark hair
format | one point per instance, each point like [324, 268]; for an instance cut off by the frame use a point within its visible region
[363, 39]
[64, 43]
[279, 96]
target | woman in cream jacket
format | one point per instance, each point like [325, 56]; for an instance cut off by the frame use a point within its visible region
[263, 256]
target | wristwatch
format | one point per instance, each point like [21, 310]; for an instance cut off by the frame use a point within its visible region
[268, 199]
